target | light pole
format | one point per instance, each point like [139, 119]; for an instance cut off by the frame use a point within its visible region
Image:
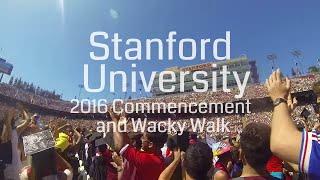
[272, 57]
[297, 54]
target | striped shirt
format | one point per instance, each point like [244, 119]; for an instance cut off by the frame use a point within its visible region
[309, 162]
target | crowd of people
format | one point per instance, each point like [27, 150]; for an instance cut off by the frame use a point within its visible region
[23, 85]
[32, 98]
[276, 144]
[253, 91]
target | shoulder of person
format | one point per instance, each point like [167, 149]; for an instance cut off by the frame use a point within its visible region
[219, 174]
[238, 178]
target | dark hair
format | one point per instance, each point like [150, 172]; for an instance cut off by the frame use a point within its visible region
[78, 129]
[137, 141]
[255, 144]
[194, 136]
[40, 165]
[225, 157]
[157, 138]
[102, 148]
[171, 144]
[98, 168]
[198, 160]
[300, 126]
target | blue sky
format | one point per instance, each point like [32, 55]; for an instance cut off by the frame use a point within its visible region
[48, 41]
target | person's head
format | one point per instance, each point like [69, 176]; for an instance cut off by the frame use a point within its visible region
[225, 158]
[153, 141]
[135, 140]
[98, 168]
[193, 136]
[40, 165]
[171, 144]
[34, 119]
[69, 131]
[255, 145]
[198, 160]
[102, 148]
[300, 126]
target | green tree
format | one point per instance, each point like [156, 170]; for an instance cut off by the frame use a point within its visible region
[313, 69]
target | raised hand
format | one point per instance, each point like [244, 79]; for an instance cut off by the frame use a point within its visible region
[26, 116]
[278, 88]
[117, 117]
[177, 154]
[292, 103]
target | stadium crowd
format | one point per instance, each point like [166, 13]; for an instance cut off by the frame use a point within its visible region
[19, 83]
[26, 96]
[253, 91]
[275, 144]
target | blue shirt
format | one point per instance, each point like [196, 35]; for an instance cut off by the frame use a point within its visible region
[309, 162]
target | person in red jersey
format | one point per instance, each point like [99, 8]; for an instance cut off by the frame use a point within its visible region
[149, 163]
[275, 167]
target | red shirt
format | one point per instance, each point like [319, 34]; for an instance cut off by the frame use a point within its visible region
[129, 171]
[168, 152]
[274, 164]
[148, 165]
[112, 173]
